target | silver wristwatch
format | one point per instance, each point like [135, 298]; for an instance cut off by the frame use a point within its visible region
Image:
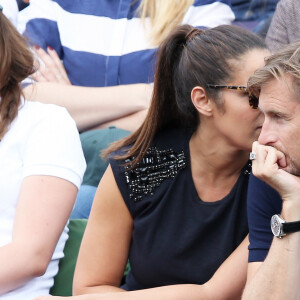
[280, 227]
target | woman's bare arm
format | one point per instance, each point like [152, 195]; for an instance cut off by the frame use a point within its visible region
[104, 249]
[92, 106]
[44, 206]
[226, 284]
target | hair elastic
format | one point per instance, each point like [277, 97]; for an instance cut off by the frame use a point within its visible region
[190, 35]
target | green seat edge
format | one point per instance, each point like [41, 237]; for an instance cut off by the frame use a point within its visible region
[63, 281]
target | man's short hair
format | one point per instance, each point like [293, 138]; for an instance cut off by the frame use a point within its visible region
[279, 64]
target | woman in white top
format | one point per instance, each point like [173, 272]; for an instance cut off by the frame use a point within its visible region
[41, 168]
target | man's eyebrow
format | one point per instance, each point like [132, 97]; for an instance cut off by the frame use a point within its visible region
[276, 112]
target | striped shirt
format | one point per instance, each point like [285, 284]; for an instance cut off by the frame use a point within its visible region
[10, 10]
[103, 42]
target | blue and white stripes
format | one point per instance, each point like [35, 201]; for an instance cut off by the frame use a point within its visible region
[102, 42]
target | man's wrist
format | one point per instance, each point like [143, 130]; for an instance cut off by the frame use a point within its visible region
[291, 210]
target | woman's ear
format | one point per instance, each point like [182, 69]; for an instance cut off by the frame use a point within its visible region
[201, 102]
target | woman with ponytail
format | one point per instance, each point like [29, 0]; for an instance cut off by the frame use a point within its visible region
[173, 199]
[103, 70]
[41, 168]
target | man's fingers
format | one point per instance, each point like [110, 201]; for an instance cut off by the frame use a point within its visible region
[281, 160]
[268, 160]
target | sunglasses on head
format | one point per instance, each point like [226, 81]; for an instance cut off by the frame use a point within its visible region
[253, 100]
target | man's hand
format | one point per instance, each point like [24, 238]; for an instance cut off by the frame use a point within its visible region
[269, 166]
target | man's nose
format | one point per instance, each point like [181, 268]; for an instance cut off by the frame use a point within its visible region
[267, 135]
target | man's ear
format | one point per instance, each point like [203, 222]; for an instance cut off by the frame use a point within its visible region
[201, 102]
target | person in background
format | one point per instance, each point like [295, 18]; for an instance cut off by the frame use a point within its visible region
[10, 10]
[274, 206]
[173, 199]
[119, 58]
[42, 166]
[285, 26]
[22, 4]
[108, 53]
[254, 15]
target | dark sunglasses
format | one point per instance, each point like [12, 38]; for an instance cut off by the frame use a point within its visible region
[253, 100]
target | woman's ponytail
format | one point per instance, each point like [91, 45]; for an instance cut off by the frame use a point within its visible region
[163, 111]
[189, 57]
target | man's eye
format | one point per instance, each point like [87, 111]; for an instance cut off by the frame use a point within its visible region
[277, 116]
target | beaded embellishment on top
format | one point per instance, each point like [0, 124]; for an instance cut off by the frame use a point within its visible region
[155, 167]
[248, 168]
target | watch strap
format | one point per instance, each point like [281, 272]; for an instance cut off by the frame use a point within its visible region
[288, 227]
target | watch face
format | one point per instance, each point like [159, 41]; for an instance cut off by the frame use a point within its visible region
[275, 225]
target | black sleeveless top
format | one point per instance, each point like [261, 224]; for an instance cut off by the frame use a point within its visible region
[177, 238]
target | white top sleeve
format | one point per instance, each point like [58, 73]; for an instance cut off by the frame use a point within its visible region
[42, 140]
[53, 147]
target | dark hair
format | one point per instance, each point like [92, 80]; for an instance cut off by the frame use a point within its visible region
[189, 57]
[16, 63]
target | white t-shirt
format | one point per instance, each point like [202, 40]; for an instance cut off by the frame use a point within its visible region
[42, 140]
